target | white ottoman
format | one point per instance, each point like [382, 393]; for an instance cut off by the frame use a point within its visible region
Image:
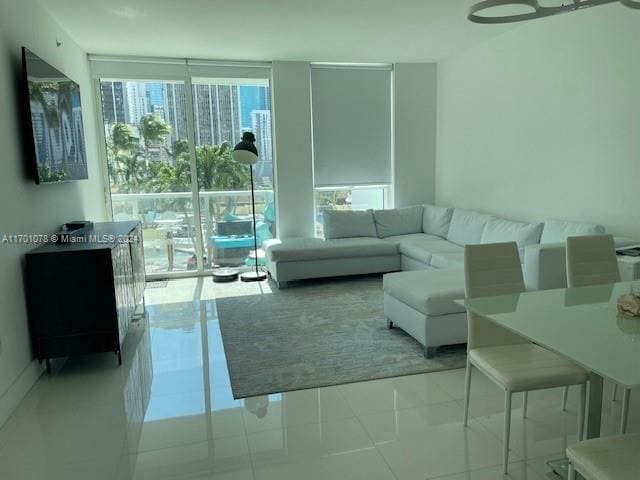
[422, 304]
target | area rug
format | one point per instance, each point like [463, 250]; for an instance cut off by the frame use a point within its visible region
[318, 334]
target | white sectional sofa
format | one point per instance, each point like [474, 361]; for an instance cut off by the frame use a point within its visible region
[419, 238]
[429, 241]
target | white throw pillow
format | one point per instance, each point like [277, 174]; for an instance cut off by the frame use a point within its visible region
[500, 230]
[398, 221]
[466, 226]
[557, 231]
[347, 224]
[436, 220]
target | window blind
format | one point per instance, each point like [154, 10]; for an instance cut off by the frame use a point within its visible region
[351, 111]
[175, 68]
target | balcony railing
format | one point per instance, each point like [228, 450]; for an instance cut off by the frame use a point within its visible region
[169, 230]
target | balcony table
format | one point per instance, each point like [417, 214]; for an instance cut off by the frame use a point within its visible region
[583, 325]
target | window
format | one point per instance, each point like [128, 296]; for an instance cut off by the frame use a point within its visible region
[351, 113]
[170, 127]
[348, 198]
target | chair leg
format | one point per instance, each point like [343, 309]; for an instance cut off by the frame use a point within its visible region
[615, 392]
[565, 396]
[507, 430]
[572, 472]
[467, 391]
[626, 396]
[582, 411]
[525, 402]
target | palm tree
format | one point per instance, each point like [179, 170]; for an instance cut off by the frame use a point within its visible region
[130, 171]
[179, 149]
[123, 138]
[153, 129]
[216, 170]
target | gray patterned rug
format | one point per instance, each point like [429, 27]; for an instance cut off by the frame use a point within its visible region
[318, 334]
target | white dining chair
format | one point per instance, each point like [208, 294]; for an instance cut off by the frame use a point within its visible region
[606, 458]
[509, 360]
[592, 260]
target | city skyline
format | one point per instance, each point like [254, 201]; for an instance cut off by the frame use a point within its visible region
[222, 112]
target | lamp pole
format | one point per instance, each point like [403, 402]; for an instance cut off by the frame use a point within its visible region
[245, 152]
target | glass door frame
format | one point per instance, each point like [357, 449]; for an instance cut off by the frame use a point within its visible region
[201, 68]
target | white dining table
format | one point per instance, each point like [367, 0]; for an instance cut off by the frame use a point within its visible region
[582, 324]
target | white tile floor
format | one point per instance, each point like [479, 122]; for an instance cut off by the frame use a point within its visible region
[168, 413]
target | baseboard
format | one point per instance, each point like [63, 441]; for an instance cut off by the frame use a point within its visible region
[11, 398]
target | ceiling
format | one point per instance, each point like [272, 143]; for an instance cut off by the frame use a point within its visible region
[313, 30]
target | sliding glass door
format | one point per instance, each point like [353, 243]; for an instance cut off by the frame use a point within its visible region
[223, 109]
[147, 146]
[168, 147]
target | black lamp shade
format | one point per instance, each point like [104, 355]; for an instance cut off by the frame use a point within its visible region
[245, 151]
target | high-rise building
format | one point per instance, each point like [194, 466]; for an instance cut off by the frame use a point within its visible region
[252, 97]
[217, 114]
[113, 101]
[155, 95]
[175, 110]
[136, 102]
[40, 133]
[261, 128]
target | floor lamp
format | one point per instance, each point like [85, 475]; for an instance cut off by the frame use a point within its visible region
[245, 152]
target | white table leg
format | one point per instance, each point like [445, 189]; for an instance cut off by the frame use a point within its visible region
[594, 414]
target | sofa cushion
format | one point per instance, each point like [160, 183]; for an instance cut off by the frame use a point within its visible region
[432, 292]
[467, 226]
[398, 221]
[447, 260]
[348, 224]
[411, 236]
[558, 230]
[299, 249]
[436, 220]
[415, 249]
[443, 246]
[500, 230]
[421, 246]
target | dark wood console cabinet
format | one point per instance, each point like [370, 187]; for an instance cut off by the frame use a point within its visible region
[83, 294]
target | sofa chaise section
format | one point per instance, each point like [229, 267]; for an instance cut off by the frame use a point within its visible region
[306, 258]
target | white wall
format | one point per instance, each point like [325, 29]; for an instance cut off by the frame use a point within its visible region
[293, 148]
[415, 133]
[25, 206]
[544, 121]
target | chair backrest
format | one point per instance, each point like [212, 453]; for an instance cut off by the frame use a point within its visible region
[491, 269]
[591, 260]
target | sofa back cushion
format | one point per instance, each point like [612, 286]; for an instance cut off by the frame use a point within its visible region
[556, 231]
[500, 230]
[347, 224]
[398, 221]
[466, 226]
[436, 220]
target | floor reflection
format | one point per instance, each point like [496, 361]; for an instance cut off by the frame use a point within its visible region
[169, 413]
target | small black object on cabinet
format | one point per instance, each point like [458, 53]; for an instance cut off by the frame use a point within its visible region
[83, 293]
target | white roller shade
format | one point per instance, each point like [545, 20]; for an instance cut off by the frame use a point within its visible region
[176, 68]
[132, 68]
[351, 125]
